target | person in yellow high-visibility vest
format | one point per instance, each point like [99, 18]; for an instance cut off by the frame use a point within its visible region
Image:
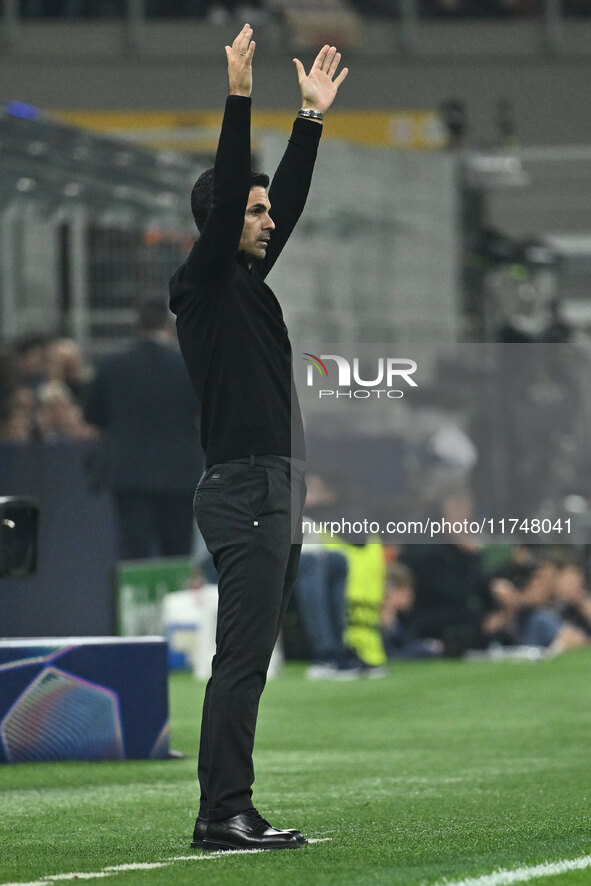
[364, 591]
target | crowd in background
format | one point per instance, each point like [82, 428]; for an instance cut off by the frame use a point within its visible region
[218, 11]
[137, 402]
[361, 605]
[42, 380]
[358, 604]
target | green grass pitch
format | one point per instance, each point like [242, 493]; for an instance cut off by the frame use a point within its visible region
[443, 770]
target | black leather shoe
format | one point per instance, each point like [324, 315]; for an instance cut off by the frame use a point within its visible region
[249, 830]
[199, 833]
[201, 828]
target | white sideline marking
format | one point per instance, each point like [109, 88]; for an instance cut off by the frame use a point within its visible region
[53, 878]
[138, 866]
[49, 879]
[220, 853]
[506, 877]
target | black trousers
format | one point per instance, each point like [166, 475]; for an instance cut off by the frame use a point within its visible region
[249, 512]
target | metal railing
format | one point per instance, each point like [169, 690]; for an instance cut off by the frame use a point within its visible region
[89, 227]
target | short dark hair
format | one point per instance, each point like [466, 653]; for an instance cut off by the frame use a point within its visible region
[202, 194]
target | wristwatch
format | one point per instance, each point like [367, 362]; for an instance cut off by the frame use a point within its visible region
[309, 114]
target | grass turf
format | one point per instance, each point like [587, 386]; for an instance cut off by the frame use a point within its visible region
[441, 770]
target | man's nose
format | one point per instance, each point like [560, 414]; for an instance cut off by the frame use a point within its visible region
[268, 223]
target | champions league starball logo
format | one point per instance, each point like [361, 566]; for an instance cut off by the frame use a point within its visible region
[385, 380]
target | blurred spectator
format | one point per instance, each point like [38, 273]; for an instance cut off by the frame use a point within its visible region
[17, 401]
[452, 595]
[399, 601]
[339, 591]
[30, 359]
[216, 11]
[451, 585]
[320, 586]
[64, 363]
[219, 11]
[59, 417]
[142, 400]
[18, 416]
[573, 599]
[320, 595]
[41, 380]
[525, 591]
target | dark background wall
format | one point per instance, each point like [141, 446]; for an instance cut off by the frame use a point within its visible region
[72, 593]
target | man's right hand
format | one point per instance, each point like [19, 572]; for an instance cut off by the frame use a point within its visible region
[239, 56]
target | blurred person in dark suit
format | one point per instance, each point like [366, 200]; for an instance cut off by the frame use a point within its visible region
[452, 592]
[452, 595]
[143, 402]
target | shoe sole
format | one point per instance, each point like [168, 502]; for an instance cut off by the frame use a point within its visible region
[198, 844]
[346, 676]
[211, 846]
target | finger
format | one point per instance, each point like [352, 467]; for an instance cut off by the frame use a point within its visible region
[245, 41]
[300, 69]
[319, 60]
[238, 36]
[334, 64]
[328, 58]
[341, 77]
[242, 40]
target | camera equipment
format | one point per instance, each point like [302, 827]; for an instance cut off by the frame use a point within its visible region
[19, 523]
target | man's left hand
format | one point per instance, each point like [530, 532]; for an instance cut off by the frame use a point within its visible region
[320, 87]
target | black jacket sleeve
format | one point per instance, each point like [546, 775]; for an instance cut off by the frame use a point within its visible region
[210, 260]
[290, 186]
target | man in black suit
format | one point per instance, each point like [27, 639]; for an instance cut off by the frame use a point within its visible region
[250, 498]
[143, 402]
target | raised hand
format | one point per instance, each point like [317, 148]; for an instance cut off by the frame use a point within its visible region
[239, 56]
[319, 86]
